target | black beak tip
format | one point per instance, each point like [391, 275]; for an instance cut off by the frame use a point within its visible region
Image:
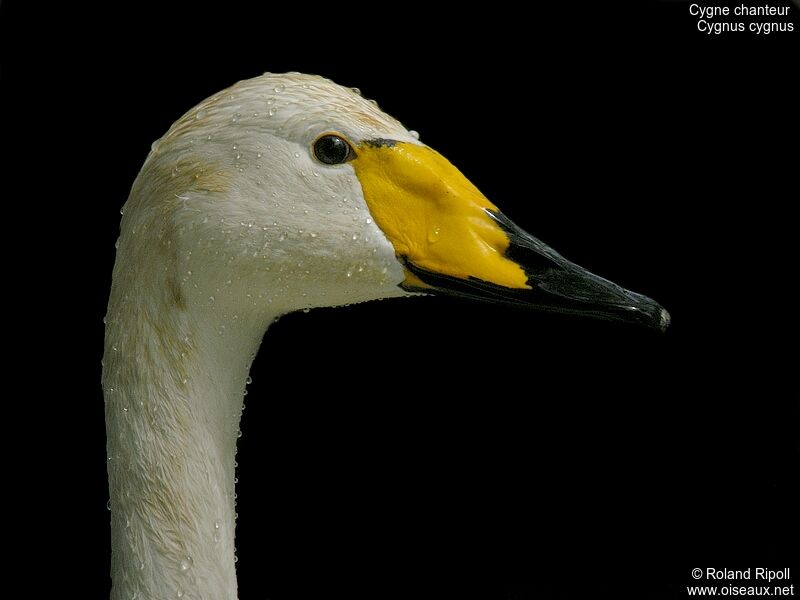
[653, 316]
[664, 320]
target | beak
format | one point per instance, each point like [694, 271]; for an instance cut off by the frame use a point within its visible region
[452, 240]
[554, 284]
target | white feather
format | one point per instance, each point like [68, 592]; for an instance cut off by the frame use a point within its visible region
[230, 223]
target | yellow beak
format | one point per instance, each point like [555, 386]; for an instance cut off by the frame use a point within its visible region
[452, 239]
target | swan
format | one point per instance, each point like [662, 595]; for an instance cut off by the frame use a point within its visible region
[284, 192]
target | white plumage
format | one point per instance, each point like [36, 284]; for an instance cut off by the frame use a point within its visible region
[238, 216]
[230, 223]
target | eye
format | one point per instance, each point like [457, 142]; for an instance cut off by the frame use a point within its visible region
[333, 150]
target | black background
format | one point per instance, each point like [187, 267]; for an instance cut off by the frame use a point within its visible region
[589, 458]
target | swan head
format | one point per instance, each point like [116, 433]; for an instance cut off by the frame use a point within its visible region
[289, 192]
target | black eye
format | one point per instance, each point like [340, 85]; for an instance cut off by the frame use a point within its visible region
[332, 150]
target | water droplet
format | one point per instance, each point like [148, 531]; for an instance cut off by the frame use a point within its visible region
[186, 563]
[249, 380]
[258, 154]
[414, 134]
[154, 146]
[369, 221]
[433, 234]
[108, 504]
[211, 299]
[234, 147]
[306, 310]
[116, 244]
[180, 594]
[122, 210]
[355, 236]
[297, 155]
[124, 409]
[271, 111]
[356, 90]
[113, 348]
[200, 114]
[279, 88]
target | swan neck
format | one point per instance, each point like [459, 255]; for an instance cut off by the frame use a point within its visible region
[173, 380]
